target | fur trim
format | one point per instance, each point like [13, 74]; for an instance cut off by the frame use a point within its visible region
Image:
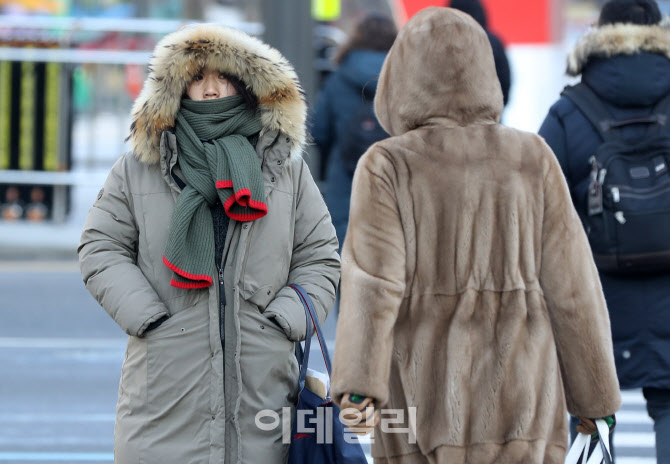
[178, 58]
[619, 39]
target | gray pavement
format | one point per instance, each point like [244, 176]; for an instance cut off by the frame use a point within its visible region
[60, 359]
[60, 364]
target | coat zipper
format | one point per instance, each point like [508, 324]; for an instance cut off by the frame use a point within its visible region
[617, 195]
[222, 290]
[222, 308]
[643, 190]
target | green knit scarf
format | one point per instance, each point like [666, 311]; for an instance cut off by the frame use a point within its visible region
[219, 163]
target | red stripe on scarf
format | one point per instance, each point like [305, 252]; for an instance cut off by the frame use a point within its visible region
[200, 278]
[222, 184]
[245, 194]
[188, 285]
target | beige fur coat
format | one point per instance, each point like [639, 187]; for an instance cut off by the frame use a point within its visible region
[468, 287]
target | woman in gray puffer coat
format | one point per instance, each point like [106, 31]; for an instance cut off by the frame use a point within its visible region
[192, 242]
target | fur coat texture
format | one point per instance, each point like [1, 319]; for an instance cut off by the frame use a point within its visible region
[468, 288]
[191, 389]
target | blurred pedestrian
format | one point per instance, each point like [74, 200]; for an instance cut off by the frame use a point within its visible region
[12, 208]
[192, 242]
[349, 88]
[36, 210]
[475, 9]
[468, 291]
[624, 62]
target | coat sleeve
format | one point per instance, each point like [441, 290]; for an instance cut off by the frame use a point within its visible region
[315, 263]
[373, 283]
[576, 305]
[108, 254]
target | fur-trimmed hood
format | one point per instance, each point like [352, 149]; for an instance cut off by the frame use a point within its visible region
[619, 39]
[440, 68]
[180, 56]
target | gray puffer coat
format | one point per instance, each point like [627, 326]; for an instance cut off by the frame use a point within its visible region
[185, 396]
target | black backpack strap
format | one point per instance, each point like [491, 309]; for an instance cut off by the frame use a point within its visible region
[594, 110]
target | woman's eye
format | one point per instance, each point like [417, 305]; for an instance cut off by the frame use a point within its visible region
[198, 77]
[222, 76]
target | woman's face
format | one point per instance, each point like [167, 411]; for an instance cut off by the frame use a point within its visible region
[209, 85]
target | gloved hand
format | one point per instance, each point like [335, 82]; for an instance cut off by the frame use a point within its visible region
[588, 426]
[363, 422]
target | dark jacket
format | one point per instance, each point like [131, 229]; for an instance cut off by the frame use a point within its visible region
[341, 95]
[630, 81]
[475, 9]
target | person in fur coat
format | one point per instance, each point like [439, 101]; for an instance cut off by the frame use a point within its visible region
[192, 243]
[625, 60]
[470, 307]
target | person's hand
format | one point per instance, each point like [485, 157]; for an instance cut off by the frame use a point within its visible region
[154, 325]
[359, 414]
[588, 426]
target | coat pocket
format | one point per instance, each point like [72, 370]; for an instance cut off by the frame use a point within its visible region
[268, 251]
[184, 300]
[179, 365]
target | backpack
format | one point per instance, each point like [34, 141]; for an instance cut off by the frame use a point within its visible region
[361, 130]
[627, 217]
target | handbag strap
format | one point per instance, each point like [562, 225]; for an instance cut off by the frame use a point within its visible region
[603, 435]
[312, 321]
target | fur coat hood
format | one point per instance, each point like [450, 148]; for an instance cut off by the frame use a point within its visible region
[619, 39]
[466, 91]
[180, 56]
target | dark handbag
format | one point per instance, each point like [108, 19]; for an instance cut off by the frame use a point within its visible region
[317, 434]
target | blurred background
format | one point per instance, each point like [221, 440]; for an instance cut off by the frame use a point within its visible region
[69, 72]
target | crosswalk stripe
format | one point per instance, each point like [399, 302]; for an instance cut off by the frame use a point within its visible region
[631, 460]
[633, 398]
[633, 417]
[634, 439]
[41, 418]
[70, 457]
[63, 457]
[62, 343]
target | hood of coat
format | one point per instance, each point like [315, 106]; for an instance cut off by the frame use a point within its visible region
[619, 39]
[439, 70]
[629, 80]
[361, 68]
[180, 56]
